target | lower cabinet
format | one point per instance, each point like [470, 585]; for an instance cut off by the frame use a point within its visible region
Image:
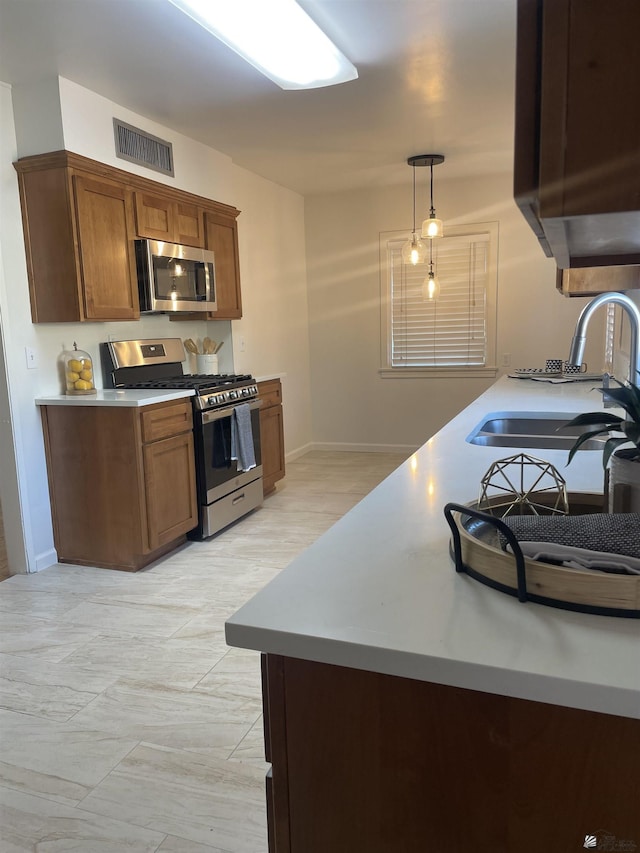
[271, 433]
[368, 762]
[121, 481]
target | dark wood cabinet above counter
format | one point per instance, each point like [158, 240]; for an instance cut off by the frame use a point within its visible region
[80, 220]
[577, 139]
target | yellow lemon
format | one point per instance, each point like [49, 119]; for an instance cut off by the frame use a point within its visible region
[82, 385]
[86, 364]
[86, 374]
[75, 364]
[72, 377]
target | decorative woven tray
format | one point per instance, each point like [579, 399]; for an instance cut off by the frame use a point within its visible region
[475, 550]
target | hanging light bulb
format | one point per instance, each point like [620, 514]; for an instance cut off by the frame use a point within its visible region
[432, 227]
[431, 285]
[414, 250]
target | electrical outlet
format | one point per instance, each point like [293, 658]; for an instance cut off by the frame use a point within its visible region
[242, 344]
[506, 359]
[32, 357]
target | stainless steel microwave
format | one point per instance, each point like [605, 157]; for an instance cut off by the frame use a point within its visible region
[173, 278]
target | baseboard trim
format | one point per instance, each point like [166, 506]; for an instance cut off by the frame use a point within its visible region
[44, 560]
[298, 452]
[407, 449]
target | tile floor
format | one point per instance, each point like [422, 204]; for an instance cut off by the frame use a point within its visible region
[126, 723]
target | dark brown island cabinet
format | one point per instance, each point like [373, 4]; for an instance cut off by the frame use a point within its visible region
[80, 220]
[121, 481]
[368, 763]
[271, 433]
[577, 139]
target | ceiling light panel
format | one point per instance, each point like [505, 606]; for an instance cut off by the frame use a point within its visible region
[276, 37]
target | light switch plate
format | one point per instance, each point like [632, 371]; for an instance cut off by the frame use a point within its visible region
[32, 357]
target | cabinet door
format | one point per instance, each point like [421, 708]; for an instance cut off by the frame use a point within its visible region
[189, 220]
[165, 420]
[104, 219]
[578, 67]
[161, 218]
[170, 489]
[222, 237]
[155, 217]
[272, 444]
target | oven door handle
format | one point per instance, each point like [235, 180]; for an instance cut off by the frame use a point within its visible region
[216, 414]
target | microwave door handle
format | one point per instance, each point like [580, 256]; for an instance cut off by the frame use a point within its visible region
[207, 281]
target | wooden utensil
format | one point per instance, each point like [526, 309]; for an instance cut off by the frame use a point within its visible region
[208, 346]
[219, 347]
[190, 346]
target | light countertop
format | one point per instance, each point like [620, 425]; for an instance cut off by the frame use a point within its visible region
[379, 592]
[116, 397]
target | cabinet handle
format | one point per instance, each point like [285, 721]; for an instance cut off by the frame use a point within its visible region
[237, 499]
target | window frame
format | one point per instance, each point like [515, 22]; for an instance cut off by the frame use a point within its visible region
[490, 368]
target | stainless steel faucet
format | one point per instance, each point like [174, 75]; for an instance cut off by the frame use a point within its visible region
[576, 352]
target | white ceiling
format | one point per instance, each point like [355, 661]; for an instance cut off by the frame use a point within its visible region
[435, 76]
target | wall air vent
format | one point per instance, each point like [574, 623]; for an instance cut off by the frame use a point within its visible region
[139, 147]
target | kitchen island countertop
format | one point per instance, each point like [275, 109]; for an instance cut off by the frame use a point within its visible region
[117, 397]
[379, 592]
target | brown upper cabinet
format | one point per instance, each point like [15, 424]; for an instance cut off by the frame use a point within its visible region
[79, 232]
[577, 140]
[80, 220]
[222, 237]
[589, 281]
[160, 218]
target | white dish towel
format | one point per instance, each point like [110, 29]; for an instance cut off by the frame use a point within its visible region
[242, 449]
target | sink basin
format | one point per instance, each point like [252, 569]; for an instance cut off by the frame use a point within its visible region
[531, 429]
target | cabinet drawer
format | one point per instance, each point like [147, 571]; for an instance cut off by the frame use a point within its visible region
[166, 419]
[270, 392]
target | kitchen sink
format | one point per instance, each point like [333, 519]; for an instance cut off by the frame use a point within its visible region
[531, 429]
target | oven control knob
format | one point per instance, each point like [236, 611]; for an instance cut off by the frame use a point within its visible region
[233, 395]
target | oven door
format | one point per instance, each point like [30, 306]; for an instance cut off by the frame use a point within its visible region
[217, 473]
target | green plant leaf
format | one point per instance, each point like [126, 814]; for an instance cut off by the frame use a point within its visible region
[627, 397]
[632, 432]
[634, 393]
[609, 447]
[585, 437]
[593, 418]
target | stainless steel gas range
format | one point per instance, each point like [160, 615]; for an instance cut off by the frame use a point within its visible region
[226, 424]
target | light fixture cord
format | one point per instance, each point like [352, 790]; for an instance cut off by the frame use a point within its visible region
[414, 199]
[433, 210]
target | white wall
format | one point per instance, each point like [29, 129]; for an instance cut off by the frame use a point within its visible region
[352, 404]
[273, 289]
[274, 328]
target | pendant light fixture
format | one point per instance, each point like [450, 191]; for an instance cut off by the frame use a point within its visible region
[431, 285]
[432, 227]
[414, 250]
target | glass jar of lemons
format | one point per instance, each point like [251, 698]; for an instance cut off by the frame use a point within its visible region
[78, 372]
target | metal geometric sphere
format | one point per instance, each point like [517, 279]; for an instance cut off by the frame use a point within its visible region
[517, 485]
